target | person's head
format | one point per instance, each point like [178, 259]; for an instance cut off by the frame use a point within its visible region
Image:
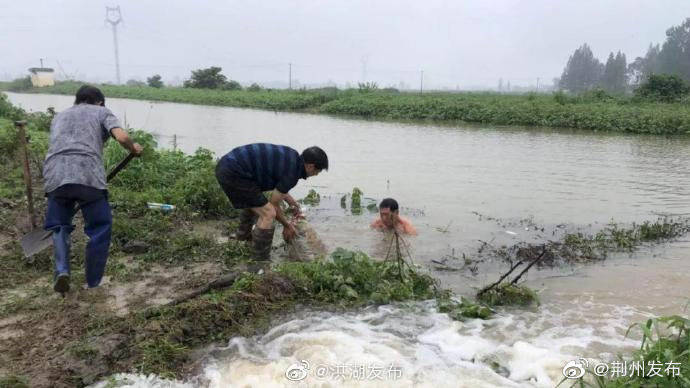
[315, 160]
[90, 95]
[388, 211]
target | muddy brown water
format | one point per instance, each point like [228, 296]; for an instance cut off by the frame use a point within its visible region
[443, 176]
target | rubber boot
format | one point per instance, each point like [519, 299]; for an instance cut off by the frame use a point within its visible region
[244, 230]
[262, 240]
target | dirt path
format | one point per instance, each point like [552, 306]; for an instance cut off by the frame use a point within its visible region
[50, 341]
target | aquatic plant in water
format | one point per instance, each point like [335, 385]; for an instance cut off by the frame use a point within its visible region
[312, 198]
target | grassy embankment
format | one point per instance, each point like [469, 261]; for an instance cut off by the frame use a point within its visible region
[131, 323]
[593, 111]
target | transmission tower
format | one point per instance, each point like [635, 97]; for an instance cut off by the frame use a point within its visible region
[114, 17]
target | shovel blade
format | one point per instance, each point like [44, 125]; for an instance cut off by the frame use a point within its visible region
[36, 241]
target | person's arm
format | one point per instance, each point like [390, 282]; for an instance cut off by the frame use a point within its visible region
[377, 224]
[296, 210]
[125, 141]
[289, 231]
[407, 226]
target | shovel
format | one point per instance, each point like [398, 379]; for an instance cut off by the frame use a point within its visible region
[40, 239]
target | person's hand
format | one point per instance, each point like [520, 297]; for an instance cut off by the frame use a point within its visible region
[297, 213]
[289, 232]
[137, 149]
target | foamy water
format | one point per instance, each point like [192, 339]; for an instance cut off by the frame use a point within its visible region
[414, 345]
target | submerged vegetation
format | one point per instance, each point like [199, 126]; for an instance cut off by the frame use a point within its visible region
[581, 247]
[509, 294]
[596, 110]
[571, 248]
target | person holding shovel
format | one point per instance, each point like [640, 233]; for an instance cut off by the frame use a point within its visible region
[73, 172]
[247, 171]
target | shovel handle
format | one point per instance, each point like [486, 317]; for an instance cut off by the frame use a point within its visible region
[120, 166]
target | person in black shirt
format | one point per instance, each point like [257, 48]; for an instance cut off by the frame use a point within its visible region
[247, 171]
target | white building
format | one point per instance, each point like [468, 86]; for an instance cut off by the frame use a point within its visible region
[42, 76]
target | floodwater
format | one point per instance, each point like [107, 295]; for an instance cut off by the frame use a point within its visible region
[444, 177]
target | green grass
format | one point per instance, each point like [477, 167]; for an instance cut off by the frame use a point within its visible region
[595, 111]
[12, 381]
[664, 340]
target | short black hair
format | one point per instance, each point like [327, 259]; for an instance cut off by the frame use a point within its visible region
[90, 95]
[315, 156]
[389, 203]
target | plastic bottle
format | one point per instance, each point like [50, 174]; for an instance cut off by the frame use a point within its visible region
[160, 206]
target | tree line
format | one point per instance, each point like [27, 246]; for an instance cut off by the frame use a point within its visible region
[584, 71]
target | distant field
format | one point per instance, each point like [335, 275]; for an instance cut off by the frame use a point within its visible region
[593, 112]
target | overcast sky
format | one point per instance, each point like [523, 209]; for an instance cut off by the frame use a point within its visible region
[465, 43]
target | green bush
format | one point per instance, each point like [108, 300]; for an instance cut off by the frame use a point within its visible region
[597, 95]
[231, 85]
[352, 276]
[254, 88]
[8, 138]
[186, 181]
[9, 111]
[154, 81]
[20, 84]
[663, 88]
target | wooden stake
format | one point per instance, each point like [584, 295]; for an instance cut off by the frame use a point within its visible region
[27, 172]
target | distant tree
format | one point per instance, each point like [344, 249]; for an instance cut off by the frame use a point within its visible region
[135, 83]
[209, 78]
[232, 85]
[674, 57]
[367, 87]
[155, 81]
[391, 90]
[19, 84]
[615, 78]
[254, 87]
[582, 72]
[663, 87]
[643, 67]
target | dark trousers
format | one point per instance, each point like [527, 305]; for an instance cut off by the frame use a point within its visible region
[98, 220]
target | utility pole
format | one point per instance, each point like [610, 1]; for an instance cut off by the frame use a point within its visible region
[114, 21]
[421, 83]
[290, 76]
